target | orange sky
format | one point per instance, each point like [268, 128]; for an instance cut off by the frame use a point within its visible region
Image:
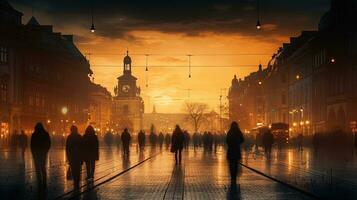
[168, 87]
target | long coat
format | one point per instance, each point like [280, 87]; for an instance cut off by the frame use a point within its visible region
[90, 147]
[40, 144]
[177, 140]
[234, 140]
[74, 149]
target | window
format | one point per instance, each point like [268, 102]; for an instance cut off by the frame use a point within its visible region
[4, 92]
[3, 55]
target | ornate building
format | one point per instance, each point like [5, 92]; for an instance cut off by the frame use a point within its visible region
[246, 100]
[128, 106]
[100, 108]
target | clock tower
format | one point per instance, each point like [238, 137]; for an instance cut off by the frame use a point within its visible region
[128, 106]
[127, 82]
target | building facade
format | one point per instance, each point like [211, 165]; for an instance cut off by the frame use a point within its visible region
[310, 83]
[100, 109]
[44, 77]
[128, 106]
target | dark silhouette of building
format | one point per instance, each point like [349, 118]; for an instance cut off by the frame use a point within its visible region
[42, 72]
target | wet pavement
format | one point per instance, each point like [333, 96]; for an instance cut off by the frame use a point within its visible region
[152, 174]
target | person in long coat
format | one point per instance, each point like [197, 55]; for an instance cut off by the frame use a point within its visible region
[40, 145]
[74, 155]
[90, 150]
[125, 139]
[161, 139]
[141, 139]
[234, 140]
[23, 143]
[177, 142]
[268, 141]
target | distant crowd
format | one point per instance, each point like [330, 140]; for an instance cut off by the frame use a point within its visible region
[85, 149]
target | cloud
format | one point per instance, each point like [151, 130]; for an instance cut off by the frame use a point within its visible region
[116, 19]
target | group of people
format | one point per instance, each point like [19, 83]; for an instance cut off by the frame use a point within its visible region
[85, 148]
[79, 149]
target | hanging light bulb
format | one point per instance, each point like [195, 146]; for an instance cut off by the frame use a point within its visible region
[92, 28]
[189, 66]
[146, 70]
[259, 25]
[146, 66]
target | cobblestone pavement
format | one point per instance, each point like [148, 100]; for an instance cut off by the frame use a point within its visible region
[201, 176]
[18, 178]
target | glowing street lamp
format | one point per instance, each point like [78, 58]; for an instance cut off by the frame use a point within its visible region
[64, 110]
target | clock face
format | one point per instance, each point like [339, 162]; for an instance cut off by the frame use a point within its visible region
[125, 88]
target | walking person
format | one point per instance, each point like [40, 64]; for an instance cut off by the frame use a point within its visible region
[268, 141]
[23, 143]
[161, 139]
[125, 140]
[167, 140]
[234, 140]
[177, 142]
[90, 150]
[74, 155]
[40, 145]
[141, 139]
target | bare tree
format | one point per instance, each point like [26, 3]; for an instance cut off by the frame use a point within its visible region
[196, 113]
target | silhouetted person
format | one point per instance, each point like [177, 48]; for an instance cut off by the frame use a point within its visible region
[234, 140]
[177, 141]
[74, 155]
[125, 140]
[167, 140]
[268, 141]
[300, 141]
[161, 139]
[23, 143]
[90, 150]
[195, 138]
[153, 138]
[40, 145]
[141, 139]
[14, 140]
[187, 139]
[108, 138]
[117, 140]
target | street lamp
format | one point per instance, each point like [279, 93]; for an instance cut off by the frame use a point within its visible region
[259, 26]
[64, 110]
